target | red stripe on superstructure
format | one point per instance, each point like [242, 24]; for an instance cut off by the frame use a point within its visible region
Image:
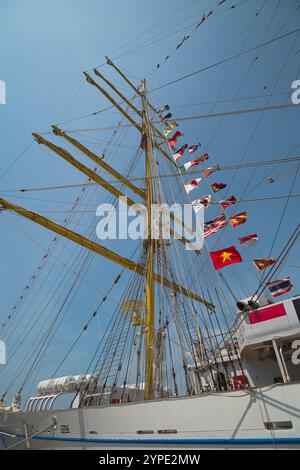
[264, 314]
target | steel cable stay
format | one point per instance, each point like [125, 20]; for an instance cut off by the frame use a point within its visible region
[115, 209]
[190, 118]
[172, 105]
[281, 160]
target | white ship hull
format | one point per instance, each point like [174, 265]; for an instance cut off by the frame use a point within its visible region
[224, 420]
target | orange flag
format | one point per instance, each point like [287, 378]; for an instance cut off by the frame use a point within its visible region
[238, 219]
[263, 263]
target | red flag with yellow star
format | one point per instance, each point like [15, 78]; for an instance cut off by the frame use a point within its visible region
[225, 257]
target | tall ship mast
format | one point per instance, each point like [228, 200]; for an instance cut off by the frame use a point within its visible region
[194, 349]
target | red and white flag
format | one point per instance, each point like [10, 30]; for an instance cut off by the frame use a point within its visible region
[180, 152]
[197, 161]
[204, 201]
[266, 314]
[249, 240]
[173, 140]
[193, 148]
[192, 185]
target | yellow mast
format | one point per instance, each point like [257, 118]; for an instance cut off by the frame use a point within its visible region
[157, 131]
[150, 244]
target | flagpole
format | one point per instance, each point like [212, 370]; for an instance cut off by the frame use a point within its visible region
[147, 144]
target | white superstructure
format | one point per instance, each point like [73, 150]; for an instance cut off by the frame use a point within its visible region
[257, 405]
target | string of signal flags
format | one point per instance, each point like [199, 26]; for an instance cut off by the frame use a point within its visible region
[229, 255]
[200, 22]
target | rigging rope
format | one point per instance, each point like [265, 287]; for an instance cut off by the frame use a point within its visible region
[226, 60]
[190, 118]
[163, 175]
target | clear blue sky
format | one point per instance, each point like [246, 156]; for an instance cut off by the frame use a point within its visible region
[46, 45]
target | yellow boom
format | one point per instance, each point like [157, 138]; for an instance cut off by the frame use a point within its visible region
[91, 174]
[130, 119]
[95, 247]
[98, 161]
[101, 181]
